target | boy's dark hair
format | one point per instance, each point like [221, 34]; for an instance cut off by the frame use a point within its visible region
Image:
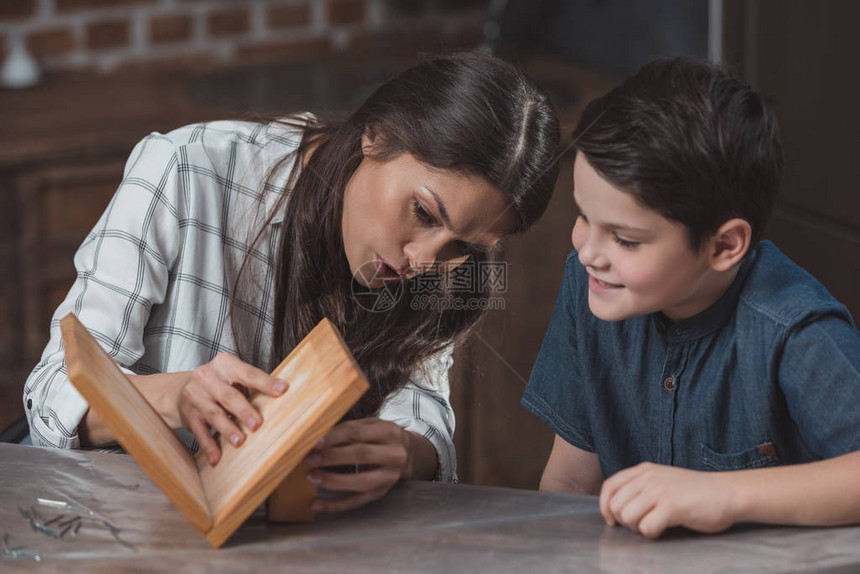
[689, 140]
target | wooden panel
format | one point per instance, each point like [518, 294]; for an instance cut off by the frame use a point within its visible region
[324, 383]
[134, 423]
[71, 203]
[58, 207]
[801, 55]
[291, 500]
[831, 253]
[806, 64]
[11, 383]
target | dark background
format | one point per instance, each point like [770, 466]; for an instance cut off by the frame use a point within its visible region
[107, 84]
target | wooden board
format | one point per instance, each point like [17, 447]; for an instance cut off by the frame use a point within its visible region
[134, 423]
[325, 381]
[291, 500]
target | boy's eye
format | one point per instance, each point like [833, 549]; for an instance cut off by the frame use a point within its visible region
[422, 213]
[626, 244]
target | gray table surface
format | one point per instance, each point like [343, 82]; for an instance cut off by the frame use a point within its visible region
[418, 527]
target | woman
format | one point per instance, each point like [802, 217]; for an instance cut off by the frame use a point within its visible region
[227, 242]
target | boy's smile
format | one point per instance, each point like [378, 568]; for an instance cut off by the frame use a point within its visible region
[638, 261]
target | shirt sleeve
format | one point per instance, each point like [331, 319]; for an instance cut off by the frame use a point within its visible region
[422, 406]
[122, 272]
[819, 373]
[553, 392]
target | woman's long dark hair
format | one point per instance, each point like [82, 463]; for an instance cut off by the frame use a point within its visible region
[470, 113]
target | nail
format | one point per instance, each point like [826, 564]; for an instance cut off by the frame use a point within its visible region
[280, 387]
[314, 479]
[313, 459]
[234, 438]
[251, 422]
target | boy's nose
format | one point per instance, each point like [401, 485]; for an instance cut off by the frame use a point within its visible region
[587, 255]
[586, 246]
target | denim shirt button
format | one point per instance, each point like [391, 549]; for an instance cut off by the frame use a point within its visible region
[669, 383]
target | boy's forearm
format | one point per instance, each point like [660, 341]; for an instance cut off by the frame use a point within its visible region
[823, 493]
[568, 484]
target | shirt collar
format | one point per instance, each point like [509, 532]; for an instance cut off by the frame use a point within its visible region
[712, 318]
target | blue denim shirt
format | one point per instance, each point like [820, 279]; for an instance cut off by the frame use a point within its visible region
[769, 374]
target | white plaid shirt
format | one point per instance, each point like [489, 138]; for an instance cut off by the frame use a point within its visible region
[154, 277]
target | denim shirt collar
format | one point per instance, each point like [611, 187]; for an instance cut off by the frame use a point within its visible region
[712, 318]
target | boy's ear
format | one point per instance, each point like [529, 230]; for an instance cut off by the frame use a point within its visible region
[730, 243]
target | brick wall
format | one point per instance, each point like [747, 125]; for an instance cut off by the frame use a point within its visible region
[107, 34]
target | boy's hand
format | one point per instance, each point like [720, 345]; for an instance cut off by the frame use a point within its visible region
[649, 498]
[383, 452]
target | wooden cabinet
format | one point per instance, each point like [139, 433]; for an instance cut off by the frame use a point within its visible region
[49, 211]
[63, 146]
[10, 316]
[801, 55]
[58, 206]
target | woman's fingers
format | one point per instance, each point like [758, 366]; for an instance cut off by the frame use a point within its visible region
[216, 397]
[362, 481]
[369, 430]
[230, 399]
[198, 427]
[378, 448]
[232, 369]
[348, 502]
[358, 453]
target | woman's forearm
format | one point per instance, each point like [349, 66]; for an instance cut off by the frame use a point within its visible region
[161, 391]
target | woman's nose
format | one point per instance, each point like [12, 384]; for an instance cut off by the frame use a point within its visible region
[419, 256]
[423, 254]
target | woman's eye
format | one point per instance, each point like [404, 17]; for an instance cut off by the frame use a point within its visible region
[421, 213]
[463, 248]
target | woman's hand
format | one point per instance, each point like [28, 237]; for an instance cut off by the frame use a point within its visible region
[649, 498]
[215, 396]
[384, 454]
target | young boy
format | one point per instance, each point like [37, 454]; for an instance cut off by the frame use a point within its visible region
[680, 344]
